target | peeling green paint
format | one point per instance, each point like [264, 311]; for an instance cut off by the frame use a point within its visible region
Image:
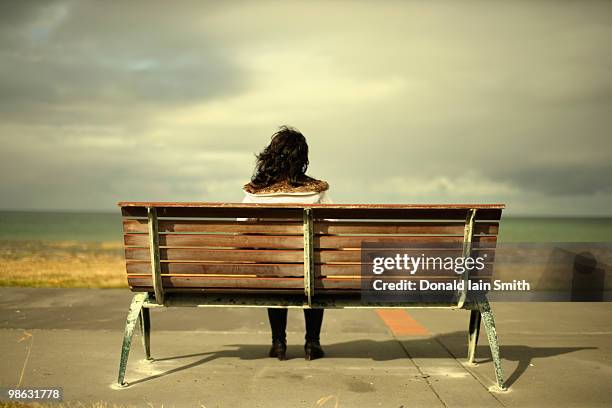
[135, 308]
[489, 323]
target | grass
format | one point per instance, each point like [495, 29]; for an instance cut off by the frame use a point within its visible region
[62, 264]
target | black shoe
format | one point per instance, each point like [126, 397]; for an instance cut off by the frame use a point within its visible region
[278, 349]
[313, 350]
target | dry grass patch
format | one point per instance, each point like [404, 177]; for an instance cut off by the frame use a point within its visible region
[65, 264]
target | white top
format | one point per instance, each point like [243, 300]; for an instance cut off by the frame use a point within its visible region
[310, 197]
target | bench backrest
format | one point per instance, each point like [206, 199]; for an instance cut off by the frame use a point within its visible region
[283, 248]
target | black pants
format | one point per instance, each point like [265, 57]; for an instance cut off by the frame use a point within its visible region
[278, 323]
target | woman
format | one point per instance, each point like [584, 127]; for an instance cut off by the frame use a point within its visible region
[280, 177]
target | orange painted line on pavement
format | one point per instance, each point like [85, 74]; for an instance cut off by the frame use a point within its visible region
[400, 322]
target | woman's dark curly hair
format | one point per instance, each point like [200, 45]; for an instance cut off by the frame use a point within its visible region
[286, 157]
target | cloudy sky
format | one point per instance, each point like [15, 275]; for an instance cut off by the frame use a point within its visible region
[401, 102]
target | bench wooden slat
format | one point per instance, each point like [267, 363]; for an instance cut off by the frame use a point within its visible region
[222, 204]
[286, 242]
[227, 282]
[278, 255]
[220, 212]
[402, 227]
[321, 227]
[278, 270]
[229, 226]
[217, 240]
[318, 213]
[275, 270]
[180, 292]
[221, 255]
[403, 214]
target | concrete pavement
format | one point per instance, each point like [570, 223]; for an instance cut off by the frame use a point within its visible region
[553, 354]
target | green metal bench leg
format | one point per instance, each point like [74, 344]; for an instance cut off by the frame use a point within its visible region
[474, 331]
[145, 329]
[487, 315]
[133, 314]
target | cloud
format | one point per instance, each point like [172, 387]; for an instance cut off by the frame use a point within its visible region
[99, 62]
[448, 186]
[582, 179]
[400, 102]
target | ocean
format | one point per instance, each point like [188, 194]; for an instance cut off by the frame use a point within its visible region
[104, 227]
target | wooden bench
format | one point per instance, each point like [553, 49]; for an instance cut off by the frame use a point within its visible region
[286, 255]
